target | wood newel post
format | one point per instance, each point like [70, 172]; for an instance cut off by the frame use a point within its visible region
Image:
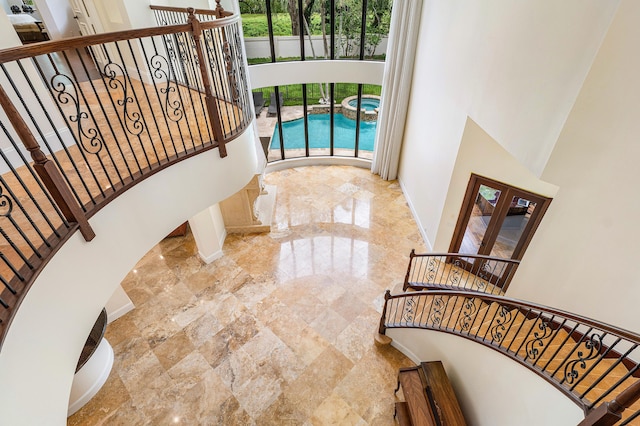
[383, 328]
[47, 170]
[406, 277]
[210, 100]
[220, 12]
[609, 413]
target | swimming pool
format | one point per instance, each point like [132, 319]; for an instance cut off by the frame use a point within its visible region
[369, 104]
[344, 133]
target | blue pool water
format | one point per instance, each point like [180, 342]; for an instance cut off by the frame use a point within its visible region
[344, 133]
[369, 104]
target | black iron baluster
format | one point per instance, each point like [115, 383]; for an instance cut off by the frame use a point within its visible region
[609, 370]
[64, 146]
[609, 348]
[106, 77]
[93, 134]
[144, 91]
[631, 373]
[518, 331]
[8, 200]
[26, 189]
[560, 347]
[133, 119]
[593, 344]
[177, 107]
[544, 332]
[551, 339]
[104, 113]
[528, 333]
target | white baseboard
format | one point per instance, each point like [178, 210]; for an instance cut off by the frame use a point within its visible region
[406, 352]
[112, 316]
[211, 257]
[317, 161]
[216, 255]
[425, 239]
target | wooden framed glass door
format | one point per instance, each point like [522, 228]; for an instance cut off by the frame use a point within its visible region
[496, 220]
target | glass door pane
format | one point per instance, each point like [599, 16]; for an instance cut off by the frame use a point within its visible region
[513, 226]
[483, 209]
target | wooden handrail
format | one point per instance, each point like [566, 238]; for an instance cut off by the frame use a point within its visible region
[46, 47]
[218, 12]
[473, 256]
[516, 303]
[576, 344]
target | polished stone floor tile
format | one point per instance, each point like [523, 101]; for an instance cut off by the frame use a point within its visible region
[279, 331]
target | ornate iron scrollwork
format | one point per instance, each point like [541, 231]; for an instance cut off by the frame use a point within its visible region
[483, 275]
[408, 313]
[504, 317]
[161, 70]
[538, 340]
[67, 93]
[432, 269]
[133, 120]
[6, 204]
[435, 318]
[455, 275]
[593, 345]
[469, 311]
[232, 74]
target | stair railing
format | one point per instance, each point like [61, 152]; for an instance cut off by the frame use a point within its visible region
[589, 361]
[87, 118]
[169, 15]
[610, 413]
[459, 271]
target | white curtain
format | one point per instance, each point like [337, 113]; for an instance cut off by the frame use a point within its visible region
[396, 86]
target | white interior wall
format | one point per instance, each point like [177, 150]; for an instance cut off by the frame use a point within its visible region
[515, 68]
[58, 17]
[39, 369]
[479, 153]
[492, 389]
[586, 257]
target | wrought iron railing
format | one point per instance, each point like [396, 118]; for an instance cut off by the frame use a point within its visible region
[87, 118]
[589, 361]
[459, 271]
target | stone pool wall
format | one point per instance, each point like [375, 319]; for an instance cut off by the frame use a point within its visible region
[347, 110]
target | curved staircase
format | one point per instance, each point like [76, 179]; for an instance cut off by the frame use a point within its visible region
[592, 363]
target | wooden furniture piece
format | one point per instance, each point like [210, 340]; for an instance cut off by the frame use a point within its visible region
[429, 397]
[28, 28]
[180, 231]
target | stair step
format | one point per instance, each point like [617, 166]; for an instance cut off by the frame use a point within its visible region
[402, 414]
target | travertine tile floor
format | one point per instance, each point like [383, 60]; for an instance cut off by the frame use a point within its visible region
[279, 331]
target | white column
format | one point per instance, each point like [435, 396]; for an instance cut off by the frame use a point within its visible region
[209, 232]
[91, 377]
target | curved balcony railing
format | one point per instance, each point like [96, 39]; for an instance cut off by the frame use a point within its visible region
[590, 362]
[87, 118]
[459, 271]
